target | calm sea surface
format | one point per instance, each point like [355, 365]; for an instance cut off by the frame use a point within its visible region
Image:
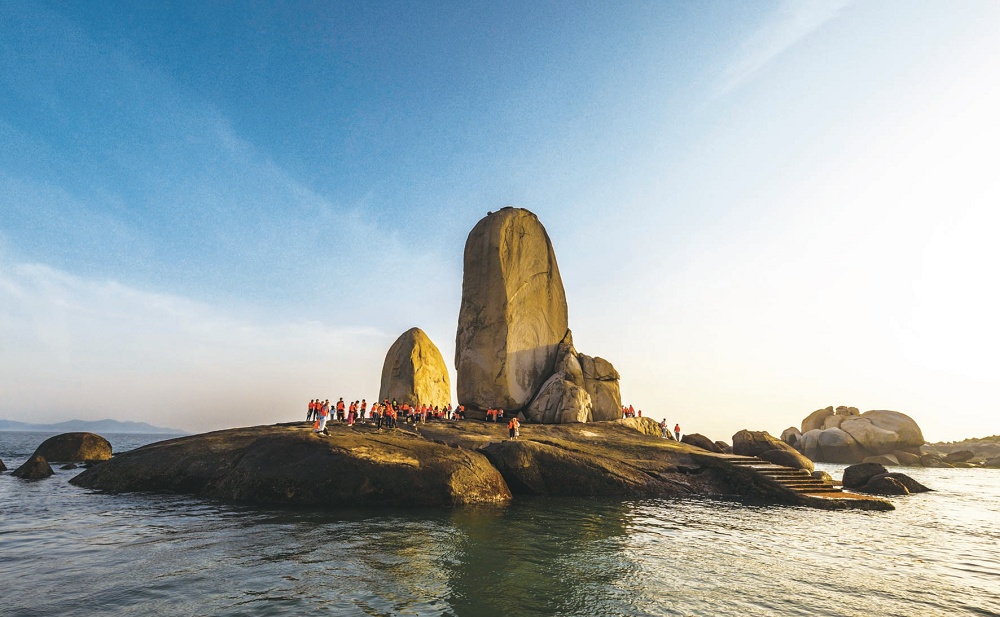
[70, 551]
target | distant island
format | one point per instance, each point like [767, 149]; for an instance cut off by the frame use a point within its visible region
[90, 426]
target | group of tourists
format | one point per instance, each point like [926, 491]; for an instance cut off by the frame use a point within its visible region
[492, 414]
[385, 413]
[630, 412]
[665, 430]
[388, 412]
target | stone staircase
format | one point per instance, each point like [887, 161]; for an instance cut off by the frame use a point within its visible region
[796, 480]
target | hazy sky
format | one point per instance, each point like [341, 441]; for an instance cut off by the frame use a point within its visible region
[211, 212]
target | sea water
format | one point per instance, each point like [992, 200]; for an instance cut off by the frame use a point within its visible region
[71, 551]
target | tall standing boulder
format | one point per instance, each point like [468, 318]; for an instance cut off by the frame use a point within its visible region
[513, 313]
[414, 371]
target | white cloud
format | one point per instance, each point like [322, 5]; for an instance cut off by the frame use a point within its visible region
[73, 347]
[794, 21]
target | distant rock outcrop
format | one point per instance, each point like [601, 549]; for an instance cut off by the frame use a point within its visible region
[514, 349]
[846, 436]
[75, 448]
[414, 371]
[35, 468]
[2, 466]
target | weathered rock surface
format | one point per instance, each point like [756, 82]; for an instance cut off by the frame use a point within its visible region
[414, 371]
[35, 468]
[757, 443]
[883, 485]
[933, 461]
[882, 459]
[724, 447]
[993, 463]
[69, 466]
[291, 465]
[601, 381]
[983, 448]
[787, 458]
[858, 475]
[823, 476]
[513, 313]
[75, 448]
[582, 389]
[440, 463]
[816, 419]
[912, 486]
[646, 426]
[906, 459]
[845, 436]
[700, 441]
[791, 435]
[962, 456]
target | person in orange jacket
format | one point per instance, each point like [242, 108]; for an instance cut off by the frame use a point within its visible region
[514, 427]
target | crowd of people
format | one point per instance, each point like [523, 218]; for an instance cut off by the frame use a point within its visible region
[386, 413]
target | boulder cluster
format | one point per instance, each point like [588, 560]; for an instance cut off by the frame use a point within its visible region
[875, 479]
[845, 435]
[514, 349]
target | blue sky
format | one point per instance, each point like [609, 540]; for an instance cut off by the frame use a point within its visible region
[224, 209]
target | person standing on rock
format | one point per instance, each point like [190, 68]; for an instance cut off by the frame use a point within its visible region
[361, 412]
[664, 431]
[514, 427]
[312, 409]
[324, 413]
[677, 431]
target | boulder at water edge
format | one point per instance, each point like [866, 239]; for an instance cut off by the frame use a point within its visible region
[884, 485]
[290, 464]
[962, 456]
[760, 443]
[513, 313]
[35, 468]
[414, 371]
[860, 474]
[2, 466]
[74, 448]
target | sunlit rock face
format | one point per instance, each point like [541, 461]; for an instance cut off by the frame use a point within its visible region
[513, 314]
[846, 436]
[414, 371]
[582, 389]
[514, 349]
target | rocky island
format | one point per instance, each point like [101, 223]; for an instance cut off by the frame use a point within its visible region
[444, 464]
[514, 351]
